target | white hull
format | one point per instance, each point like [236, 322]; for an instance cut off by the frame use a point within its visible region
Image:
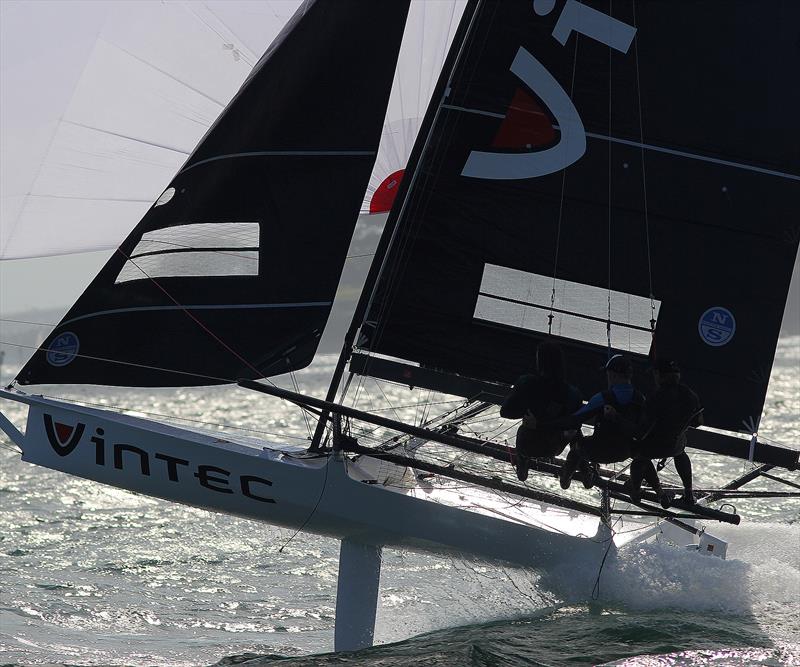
[366, 504]
[326, 495]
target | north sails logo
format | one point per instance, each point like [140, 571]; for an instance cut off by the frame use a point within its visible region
[63, 438]
[574, 17]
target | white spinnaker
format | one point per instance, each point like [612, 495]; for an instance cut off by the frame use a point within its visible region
[159, 75]
[430, 29]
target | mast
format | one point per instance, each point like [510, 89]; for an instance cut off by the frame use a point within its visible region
[388, 237]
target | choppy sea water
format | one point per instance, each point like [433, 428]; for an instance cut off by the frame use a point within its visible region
[92, 575]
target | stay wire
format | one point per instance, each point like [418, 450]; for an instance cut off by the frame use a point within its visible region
[296, 386]
[124, 363]
[596, 588]
[644, 176]
[396, 246]
[313, 509]
[608, 321]
[219, 340]
[195, 319]
[561, 204]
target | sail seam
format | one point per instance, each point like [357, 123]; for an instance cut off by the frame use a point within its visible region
[240, 306]
[651, 147]
[125, 136]
[479, 112]
[695, 156]
[310, 153]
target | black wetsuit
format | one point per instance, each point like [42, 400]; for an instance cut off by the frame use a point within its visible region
[546, 399]
[613, 437]
[670, 411]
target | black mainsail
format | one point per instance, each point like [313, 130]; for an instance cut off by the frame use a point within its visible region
[232, 272]
[616, 176]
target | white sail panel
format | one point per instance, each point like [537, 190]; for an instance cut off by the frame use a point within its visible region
[430, 29]
[159, 74]
[157, 78]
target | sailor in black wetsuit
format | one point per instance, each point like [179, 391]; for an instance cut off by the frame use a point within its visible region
[618, 414]
[542, 396]
[672, 409]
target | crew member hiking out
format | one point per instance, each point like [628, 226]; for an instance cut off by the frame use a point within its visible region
[618, 415]
[671, 410]
[543, 396]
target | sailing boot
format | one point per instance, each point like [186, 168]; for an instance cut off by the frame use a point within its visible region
[569, 468]
[633, 490]
[590, 472]
[665, 498]
[522, 465]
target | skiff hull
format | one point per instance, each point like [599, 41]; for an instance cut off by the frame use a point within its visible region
[327, 495]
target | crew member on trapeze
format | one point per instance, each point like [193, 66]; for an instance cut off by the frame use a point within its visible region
[618, 414]
[671, 410]
[544, 395]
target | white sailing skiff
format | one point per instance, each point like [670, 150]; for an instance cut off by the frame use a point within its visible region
[491, 247]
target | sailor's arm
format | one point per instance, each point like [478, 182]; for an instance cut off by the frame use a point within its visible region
[588, 412]
[517, 402]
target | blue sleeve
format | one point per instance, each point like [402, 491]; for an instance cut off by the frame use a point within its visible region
[595, 403]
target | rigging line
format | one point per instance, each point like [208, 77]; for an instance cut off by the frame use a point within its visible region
[414, 175]
[608, 321]
[293, 377]
[313, 509]
[124, 363]
[415, 405]
[166, 74]
[426, 406]
[183, 419]
[596, 587]
[38, 324]
[561, 203]
[197, 321]
[114, 199]
[644, 174]
[386, 398]
[16, 450]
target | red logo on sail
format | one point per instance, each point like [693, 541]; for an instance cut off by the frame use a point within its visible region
[383, 197]
[526, 124]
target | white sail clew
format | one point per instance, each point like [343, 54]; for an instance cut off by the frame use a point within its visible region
[158, 76]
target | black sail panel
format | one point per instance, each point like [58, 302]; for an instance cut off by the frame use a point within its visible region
[233, 271]
[634, 158]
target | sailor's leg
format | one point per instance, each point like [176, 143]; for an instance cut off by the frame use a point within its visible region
[357, 595]
[571, 465]
[634, 485]
[525, 444]
[650, 474]
[683, 465]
